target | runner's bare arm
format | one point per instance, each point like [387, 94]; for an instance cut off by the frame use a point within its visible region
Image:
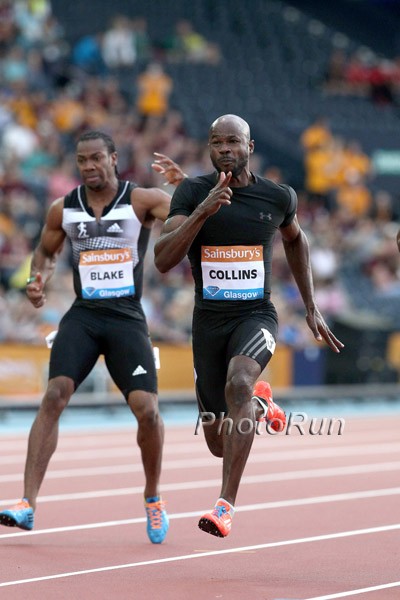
[150, 204]
[45, 254]
[179, 232]
[297, 253]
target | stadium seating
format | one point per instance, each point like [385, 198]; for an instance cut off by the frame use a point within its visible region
[274, 60]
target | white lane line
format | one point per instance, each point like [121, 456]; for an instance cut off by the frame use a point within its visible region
[293, 542]
[330, 498]
[190, 463]
[207, 483]
[374, 588]
[89, 439]
[258, 454]
[125, 451]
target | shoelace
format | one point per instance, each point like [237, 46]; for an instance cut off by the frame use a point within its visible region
[219, 510]
[154, 512]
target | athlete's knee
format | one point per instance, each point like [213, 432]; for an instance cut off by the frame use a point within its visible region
[57, 395]
[238, 388]
[145, 408]
[150, 417]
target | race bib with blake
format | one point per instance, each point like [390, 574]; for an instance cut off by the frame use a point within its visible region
[106, 273]
[232, 272]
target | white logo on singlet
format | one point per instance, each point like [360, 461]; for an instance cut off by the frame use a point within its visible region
[82, 231]
[114, 229]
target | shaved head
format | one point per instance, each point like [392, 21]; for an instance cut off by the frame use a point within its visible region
[230, 146]
[233, 122]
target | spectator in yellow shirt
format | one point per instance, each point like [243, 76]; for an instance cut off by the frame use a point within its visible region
[154, 89]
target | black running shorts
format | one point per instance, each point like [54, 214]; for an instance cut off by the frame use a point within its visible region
[85, 334]
[218, 337]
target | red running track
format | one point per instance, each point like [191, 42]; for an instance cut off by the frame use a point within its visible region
[318, 517]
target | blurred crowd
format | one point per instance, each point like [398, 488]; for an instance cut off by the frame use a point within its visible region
[363, 73]
[51, 91]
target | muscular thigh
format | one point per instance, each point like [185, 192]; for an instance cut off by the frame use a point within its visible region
[255, 337]
[210, 339]
[217, 338]
[76, 347]
[85, 334]
[129, 355]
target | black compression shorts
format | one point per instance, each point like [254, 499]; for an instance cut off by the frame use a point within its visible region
[85, 334]
[218, 337]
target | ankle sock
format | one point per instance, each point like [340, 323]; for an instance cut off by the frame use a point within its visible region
[152, 499]
[231, 507]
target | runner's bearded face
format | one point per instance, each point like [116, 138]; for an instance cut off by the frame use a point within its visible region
[229, 153]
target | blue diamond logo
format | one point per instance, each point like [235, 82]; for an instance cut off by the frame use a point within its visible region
[212, 289]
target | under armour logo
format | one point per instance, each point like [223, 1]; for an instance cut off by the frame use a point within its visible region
[265, 216]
